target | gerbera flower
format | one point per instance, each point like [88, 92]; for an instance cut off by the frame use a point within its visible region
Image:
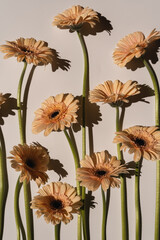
[56, 113]
[32, 161]
[29, 50]
[57, 202]
[133, 45]
[2, 99]
[74, 18]
[142, 141]
[100, 169]
[113, 93]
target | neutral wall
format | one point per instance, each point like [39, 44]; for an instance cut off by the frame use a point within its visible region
[34, 19]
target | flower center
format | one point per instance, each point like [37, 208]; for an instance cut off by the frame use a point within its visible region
[140, 142]
[26, 50]
[100, 173]
[54, 114]
[30, 163]
[56, 204]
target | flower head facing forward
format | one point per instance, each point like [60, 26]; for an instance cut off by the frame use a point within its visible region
[74, 18]
[133, 45]
[142, 141]
[32, 161]
[114, 93]
[29, 50]
[2, 99]
[57, 202]
[55, 114]
[100, 169]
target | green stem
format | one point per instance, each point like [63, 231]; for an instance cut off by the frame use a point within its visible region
[124, 213]
[77, 165]
[104, 216]
[84, 95]
[137, 202]
[57, 231]
[26, 187]
[19, 224]
[3, 182]
[157, 123]
[20, 120]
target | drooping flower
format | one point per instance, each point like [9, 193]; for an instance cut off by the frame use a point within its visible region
[74, 18]
[57, 201]
[29, 50]
[114, 93]
[100, 169]
[141, 141]
[2, 99]
[55, 114]
[133, 45]
[32, 161]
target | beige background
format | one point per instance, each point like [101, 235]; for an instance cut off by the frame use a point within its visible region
[34, 19]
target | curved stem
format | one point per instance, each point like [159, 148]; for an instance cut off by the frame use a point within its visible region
[124, 212]
[57, 231]
[137, 202]
[3, 182]
[77, 165]
[84, 95]
[26, 187]
[19, 224]
[157, 123]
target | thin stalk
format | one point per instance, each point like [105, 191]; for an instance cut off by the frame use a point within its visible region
[157, 123]
[19, 224]
[3, 182]
[137, 202]
[57, 231]
[26, 187]
[77, 165]
[124, 213]
[20, 120]
[84, 95]
[104, 216]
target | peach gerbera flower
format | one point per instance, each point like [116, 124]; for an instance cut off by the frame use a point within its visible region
[32, 161]
[29, 50]
[113, 93]
[74, 18]
[56, 113]
[100, 169]
[57, 202]
[133, 45]
[142, 141]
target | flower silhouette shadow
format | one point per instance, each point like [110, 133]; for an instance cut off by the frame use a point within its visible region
[103, 25]
[8, 107]
[57, 167]
[151, 54]
[93, 115]
[58, 62]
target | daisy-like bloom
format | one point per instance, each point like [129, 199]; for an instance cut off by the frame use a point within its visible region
[74, 18]
[29, 50]
[142, 141]
[55, 114]
[57, 201]
[100, 169]
[133, 45]
[32, 161]
[113, 93]
[2, 99]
